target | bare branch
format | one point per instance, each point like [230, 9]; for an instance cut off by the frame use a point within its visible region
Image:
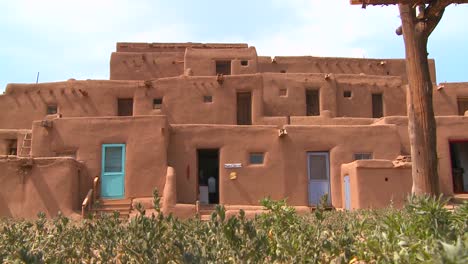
[433, 14]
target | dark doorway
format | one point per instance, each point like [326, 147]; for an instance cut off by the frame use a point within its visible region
[223, 67]
[125, 106]
[244, 108]
[312, 102]
[208, 176]
[377, 105]
[459, 160]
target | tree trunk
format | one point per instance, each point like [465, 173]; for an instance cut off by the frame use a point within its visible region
[422, 125]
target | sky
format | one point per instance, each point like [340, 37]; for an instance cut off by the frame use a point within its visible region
[65, 39]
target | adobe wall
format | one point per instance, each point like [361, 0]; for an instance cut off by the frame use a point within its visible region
[284, 172]
[23, 103]
[146, 61]
[146, 65]
[49, 185]
[202, 62]
[376, 183]
[173, 47]
[183, 99]
[331, 94]
[309, 64]
[445, 99]
[449, 128]
[146, 159]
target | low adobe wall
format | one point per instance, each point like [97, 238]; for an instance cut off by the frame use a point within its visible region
[376, 183]
[30, 186]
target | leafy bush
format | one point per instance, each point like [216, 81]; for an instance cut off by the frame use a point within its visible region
[423, 231]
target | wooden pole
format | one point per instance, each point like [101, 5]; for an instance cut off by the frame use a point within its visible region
[422, 124]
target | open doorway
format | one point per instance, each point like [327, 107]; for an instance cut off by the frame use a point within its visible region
[459, 161]
[208, 176]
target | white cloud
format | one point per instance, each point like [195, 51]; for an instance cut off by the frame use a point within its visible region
[328, 28]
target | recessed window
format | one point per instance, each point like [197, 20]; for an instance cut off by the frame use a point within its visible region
[125, 106]
[362, 156]
[223, 67]
[283, 71]
[283, 92]
[207, 99]
[51, 109]
[462, 105]
[256, 158]
[312, 103]
[244, 62]
[12, 147]
[377, 105]
[157, 103]
[347, 94]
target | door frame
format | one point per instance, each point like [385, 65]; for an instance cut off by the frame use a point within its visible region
[327, 155]
[450, 141]
[197, 185]
[103, 156]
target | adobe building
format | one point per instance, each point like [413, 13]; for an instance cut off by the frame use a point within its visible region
[216, 123]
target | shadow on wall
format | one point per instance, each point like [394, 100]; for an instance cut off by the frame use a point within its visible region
[4, 208]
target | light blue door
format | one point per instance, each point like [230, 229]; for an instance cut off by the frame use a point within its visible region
[113, 171]
[319, 176]
[347, 192]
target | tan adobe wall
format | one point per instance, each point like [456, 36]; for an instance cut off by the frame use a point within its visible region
[376, 183]
[183, 99]
[331, 94]
[202, 62]
[50, 185]
[309, 64]
[146, 65]
[449, 128]
[445, 97]
[284, 172]
[23, 103]
[145, 161]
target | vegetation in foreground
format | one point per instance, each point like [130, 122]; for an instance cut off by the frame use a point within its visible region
[423, 231]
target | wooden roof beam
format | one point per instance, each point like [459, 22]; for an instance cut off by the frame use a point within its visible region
[394, 2]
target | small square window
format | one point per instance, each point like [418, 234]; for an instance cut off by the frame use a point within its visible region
[283, 71]
[207, 99]
[347, 94]
[256, 158]
[283, 92]
[362, 156]
[244, 62]
[157, 103]
[51, 109]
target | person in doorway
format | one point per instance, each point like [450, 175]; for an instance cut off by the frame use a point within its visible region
[212, 189]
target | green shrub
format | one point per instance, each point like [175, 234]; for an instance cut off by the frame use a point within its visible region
[424, 231]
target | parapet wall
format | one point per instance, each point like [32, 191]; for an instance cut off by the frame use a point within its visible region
[309, 64]
[375, 184]
[172, 47]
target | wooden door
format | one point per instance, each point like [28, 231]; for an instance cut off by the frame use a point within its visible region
[319, 176]
[377, 105]
[113, 171]
[312, 103]
[244, 108]
[125, 107]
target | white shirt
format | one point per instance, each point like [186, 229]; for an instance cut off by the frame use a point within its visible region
[211, 185]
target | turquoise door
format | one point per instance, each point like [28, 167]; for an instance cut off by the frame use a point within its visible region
[113, 171]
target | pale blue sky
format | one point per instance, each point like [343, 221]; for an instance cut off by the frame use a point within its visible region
[74, 39]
